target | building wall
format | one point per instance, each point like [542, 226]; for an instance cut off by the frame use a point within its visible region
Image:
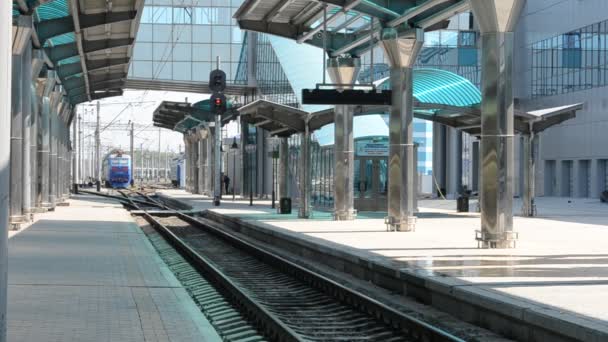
[560, 59]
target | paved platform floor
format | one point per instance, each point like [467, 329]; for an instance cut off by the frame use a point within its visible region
[87, 273]
[560, 264]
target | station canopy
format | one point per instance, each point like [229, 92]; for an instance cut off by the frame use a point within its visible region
[183, 116]
[88, 43]
[353, 26]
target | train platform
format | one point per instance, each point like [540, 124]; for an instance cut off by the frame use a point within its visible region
[555, 282]
[86, 272]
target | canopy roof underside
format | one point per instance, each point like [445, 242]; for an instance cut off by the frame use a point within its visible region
[89, 43]
[352, 26]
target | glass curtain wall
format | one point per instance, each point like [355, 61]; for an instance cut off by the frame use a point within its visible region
[179, 40]
[573, 61]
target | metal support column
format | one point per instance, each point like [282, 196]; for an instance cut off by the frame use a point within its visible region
[211, 160]
[53, 150]
[217, 156]
[244, 159]
[16, 127]
[529, 168]
[454, 162]
[26, 103]
[283, 170]
[75, 148]
[201, 165]
[45, 135]
[34, 141]
[496, 19]
[439, 160]
[5, 150]
[401, 52]
[344, 71]
[195, 165]
[131, 151]
[304, 210]
[98, 151]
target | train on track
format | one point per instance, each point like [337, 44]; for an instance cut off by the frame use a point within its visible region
[117, 170]
[177, 171]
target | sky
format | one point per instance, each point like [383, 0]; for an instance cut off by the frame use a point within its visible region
[137, 106]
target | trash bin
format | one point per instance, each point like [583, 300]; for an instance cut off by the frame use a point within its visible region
[285, 205]
[462, 204]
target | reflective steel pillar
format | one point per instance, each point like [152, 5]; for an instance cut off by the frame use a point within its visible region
[16, 126]
[54, 126]
[26, 102]
[283, 169]
[497, 19]
[304, 182]
[439, 160]
[211, 160]
[454, 162]
[201, 167]
[44, 146]
[194, 147]
[34, 147]
[217, 157]
[244, 155]
[75, 148]
[401, 53]
[344, 72]
[529, 167]
[5, 150]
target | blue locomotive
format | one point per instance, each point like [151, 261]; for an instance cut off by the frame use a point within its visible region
[117, 170]
[177, 171]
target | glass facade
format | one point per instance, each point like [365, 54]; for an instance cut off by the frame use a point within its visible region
[179, 40]
[573, 61]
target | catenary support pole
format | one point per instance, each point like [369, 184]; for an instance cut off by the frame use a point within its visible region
[5, 150]
[401, 53]
[344, 72]
[497, 19]
[75, 148]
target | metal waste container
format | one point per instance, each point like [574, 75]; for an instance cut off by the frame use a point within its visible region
[285, 205]
[462, 204]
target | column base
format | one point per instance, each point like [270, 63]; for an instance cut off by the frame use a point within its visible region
[63, 204]
[400, 224]
[16, 221]
[347, 215]
[505, 240]
[302, 213]
[39, 210]
[528, 210]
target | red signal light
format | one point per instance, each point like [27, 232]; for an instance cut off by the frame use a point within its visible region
[218, 101]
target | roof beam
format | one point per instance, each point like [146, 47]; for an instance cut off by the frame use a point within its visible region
[70, 69]
[103, 85]
[63, 51]
[58, 26]
[446, 14]
[415, 11]
[76, 18]
[277, 9]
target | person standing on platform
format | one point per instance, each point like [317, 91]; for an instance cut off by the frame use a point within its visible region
[226, 183]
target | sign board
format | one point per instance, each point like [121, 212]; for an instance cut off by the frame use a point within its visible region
[369, 148]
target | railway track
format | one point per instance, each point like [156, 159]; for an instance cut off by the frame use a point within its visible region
[282, 300]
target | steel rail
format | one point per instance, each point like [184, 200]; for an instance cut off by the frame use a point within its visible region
[268, 324]
[411, 326]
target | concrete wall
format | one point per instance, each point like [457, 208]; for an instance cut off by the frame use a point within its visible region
[580, 141]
